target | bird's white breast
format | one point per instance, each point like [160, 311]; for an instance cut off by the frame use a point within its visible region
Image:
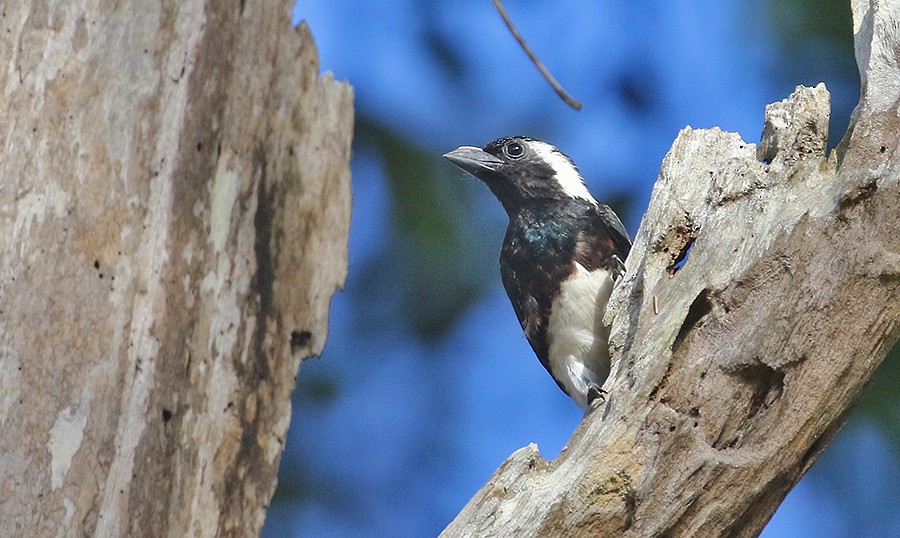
[579, 342]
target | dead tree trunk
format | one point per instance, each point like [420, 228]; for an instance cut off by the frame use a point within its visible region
[175, 200]
[732, 372]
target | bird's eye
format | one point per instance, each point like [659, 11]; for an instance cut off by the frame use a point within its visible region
[514, 150]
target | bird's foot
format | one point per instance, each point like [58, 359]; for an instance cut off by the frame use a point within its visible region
[595, 396]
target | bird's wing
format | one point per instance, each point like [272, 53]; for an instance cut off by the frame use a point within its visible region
[609, 217]
[532, 316]
[525, 305]
[602, 242]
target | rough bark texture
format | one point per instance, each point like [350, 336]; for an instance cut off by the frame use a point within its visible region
[174, 206]
[733, 371]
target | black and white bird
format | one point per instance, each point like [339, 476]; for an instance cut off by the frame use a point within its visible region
[562, 252]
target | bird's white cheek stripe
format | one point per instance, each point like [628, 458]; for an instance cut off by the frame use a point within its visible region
[567, 175]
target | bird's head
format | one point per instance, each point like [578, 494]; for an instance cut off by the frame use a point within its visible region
[521, 170]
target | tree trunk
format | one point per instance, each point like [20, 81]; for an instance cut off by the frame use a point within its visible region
[175, 204]
[733, 371]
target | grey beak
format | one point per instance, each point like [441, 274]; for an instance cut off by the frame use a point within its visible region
[473, 160]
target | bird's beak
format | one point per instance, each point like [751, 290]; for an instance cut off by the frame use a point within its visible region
[473, 160]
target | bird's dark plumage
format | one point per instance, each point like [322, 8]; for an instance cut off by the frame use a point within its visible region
[561, 253]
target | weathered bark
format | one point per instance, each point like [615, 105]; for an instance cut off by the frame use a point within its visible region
[175, 206]
[733, 372]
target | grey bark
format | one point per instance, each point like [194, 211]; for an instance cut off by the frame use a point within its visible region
[174, 210]
[733, 372]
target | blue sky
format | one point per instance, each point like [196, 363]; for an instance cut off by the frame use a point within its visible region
[411, 427]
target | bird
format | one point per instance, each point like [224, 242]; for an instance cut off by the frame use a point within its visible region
[562, 253]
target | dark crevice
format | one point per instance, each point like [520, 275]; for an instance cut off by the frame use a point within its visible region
[630, 500]
[722, 443]
[265, 264]
[257, 368]
[813, 451]
[701, 306]
[858, 195]
[682, 257]
[300, 340]
[662, 382]
[677, 242]
[766, 382]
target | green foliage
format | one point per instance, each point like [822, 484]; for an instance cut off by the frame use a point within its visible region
[429, 262]
[801, 22]
[879, 401]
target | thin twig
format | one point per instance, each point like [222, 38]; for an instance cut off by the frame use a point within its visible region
[557, 87]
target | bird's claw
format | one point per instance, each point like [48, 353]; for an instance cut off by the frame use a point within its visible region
[595, 396]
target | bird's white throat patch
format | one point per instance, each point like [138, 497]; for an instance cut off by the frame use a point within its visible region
[566, 174]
